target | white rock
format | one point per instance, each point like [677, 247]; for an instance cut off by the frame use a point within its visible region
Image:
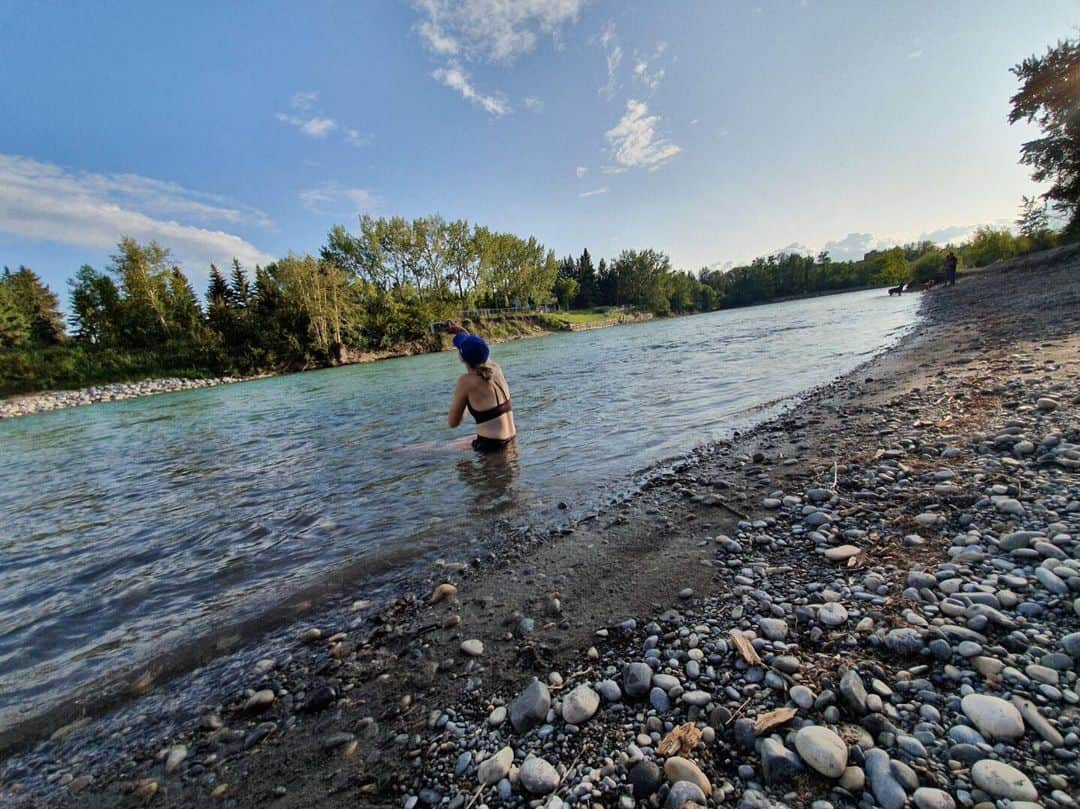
[494, 769]
[823, 750]
[993, 717]
[579, 705]
[1002, 781]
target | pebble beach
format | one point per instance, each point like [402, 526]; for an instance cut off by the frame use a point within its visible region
[870, 600]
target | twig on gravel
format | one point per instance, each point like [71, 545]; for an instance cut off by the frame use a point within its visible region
[476, 795]
[732, 509]
[738, 711]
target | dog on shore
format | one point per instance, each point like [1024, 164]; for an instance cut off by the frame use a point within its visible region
[897, 290]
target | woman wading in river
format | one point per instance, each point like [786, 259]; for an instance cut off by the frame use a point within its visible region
[483, 391]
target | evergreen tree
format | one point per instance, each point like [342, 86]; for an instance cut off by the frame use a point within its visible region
[183, 305]
[38, 304]
[1050, 87]
[14, 327]
[95, 304]
[1033, 220]
[217, 294]
[239, 288]
[586, 278]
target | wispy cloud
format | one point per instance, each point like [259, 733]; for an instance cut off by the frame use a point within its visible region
[533, 104]
[914, 54]
[613, 54]
[455, 77]
[46, 202]
[491, 30]
[594, 192]
[634, 141]
[334, 198]
[315, 127]
[581, 171]
[309, 120]
[304, 100]
[645, 73]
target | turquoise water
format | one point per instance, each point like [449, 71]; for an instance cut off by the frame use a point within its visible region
[129, 527]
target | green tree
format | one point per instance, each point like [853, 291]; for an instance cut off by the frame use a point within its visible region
[239, 287]
[1049, 89]
[38, 304]
[566, 289]
[14, 326]
[95, 307]
[586, 278]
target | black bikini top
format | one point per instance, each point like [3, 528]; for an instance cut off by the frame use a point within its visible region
[500, 408]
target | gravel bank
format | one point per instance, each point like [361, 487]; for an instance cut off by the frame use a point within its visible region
[871, 600]
[59, 399]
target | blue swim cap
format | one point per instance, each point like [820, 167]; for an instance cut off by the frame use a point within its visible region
[472, 349]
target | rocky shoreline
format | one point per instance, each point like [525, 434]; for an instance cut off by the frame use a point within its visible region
[871, 600]
[47, 401]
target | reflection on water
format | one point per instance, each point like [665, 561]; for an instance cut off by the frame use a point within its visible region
[130, 526]
[490, 478]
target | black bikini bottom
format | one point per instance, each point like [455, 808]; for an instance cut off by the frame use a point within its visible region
[484, 444]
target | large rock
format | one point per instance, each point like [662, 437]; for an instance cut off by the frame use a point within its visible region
[494, 769]
[905, 641]
[531, 707]
[886, 788]
[778, 764]
[832, 614]
[853, 691]
[645, 779]
[579, 705]
[684, 793]
[678, 768]
[994, 717]
[773, 628]
[1002, 781]
[823, 750]
[930, 798]
[637, 680]
[537, 776]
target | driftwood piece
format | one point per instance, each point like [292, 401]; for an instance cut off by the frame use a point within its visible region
[773, 719]
[680, 741]
[746, 649]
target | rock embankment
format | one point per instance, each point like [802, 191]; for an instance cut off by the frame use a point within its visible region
[59, 399]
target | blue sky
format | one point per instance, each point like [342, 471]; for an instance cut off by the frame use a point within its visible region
[712, 131]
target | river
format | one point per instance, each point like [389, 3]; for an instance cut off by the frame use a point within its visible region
[131, 527]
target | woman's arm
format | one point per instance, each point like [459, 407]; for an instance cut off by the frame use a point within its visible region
[458, 405]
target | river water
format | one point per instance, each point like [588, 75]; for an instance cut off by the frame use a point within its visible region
[130, 527]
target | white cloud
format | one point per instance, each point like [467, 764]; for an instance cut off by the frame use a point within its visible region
[491, 30]
[45, 202]
[454, 77]
[534, 104]
[634, 141]
[594, 192]
[648, 76]
[794, 247]
[315, 123]
[853, 246]
[581, 171]
[914, 54]
[304, 100]
[315, 127]
[613, 54]
[334, 198]
[694, 122]
[356, 138]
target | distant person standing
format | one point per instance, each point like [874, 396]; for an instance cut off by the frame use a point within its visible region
[950, 269]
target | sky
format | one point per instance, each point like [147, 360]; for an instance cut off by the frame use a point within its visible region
[715, 132]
